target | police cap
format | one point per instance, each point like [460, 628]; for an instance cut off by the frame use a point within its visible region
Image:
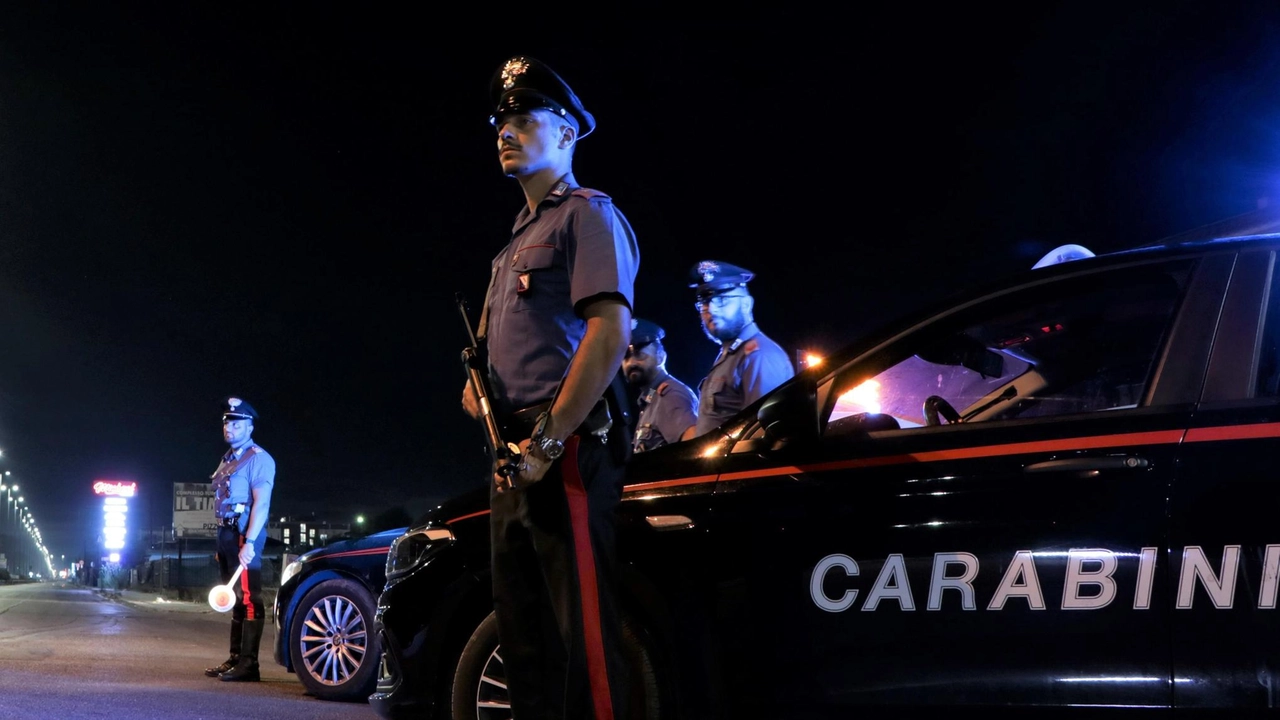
[712, 277]
[524, 83]
[233, 408]
[644, 332]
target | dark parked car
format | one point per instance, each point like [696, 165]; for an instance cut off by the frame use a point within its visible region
[324, 616]
[1055, 492]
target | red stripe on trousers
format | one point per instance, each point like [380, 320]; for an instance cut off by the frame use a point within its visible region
[597, 672]
[244, 588]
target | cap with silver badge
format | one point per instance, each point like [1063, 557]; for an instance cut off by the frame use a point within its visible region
[234, 408]
[524, 83]
[713, 277]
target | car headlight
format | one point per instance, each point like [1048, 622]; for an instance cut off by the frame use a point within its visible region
[290, 570]
[411, 549]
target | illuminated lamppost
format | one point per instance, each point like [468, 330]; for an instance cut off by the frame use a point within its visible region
[20, 513]
[11, 496]
[13, 542]
[5, 543]
[24, 518]
[11, 537]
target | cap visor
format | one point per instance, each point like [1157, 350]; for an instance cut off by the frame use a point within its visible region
[523, 100]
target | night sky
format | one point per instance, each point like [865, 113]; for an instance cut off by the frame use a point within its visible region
[197, 201]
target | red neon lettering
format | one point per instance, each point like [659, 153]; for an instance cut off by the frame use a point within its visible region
[115, 487]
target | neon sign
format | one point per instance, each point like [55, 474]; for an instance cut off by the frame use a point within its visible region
[119, 488]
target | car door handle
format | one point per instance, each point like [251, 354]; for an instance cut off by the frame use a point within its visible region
[1110, 462]
[670, 522]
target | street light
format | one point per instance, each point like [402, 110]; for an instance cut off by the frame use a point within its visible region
[18, 513]
[4, 519]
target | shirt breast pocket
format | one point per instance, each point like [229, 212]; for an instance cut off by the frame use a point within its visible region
[539, 277]
[717, 391]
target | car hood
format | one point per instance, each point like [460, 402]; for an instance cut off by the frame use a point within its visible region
[378, 539]
[471, 501]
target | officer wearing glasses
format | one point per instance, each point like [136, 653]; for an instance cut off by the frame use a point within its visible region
[749, 364]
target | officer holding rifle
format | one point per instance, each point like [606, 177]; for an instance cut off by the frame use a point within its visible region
[556, 323]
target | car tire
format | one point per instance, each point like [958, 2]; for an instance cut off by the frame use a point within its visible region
[479, 689]
[332, 644]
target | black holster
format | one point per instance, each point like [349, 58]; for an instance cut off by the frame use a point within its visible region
[619, 401]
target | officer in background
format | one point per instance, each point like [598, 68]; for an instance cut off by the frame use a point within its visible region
[242, 489]
[668, 408]
[749, 364]
[556, 324]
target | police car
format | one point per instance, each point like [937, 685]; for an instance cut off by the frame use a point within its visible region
[1055, 492]
[324, 616]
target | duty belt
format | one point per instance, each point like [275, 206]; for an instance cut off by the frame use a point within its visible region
[232, 519]
[519, 425]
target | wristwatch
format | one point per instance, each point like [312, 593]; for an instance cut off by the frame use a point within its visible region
[550, 447]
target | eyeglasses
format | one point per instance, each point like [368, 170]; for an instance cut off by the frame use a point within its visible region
[716, 302]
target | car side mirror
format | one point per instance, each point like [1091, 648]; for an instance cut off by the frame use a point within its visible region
[790, 413]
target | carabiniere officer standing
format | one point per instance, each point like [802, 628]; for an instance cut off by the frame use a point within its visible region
[242, 487]
[556, 322]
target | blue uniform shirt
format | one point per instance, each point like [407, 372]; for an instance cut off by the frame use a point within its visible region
[667, 408]
[237, 474]
[575, 246]
[745, 370]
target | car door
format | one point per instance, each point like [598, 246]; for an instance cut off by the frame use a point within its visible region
[1014, 557]
[1225, 540]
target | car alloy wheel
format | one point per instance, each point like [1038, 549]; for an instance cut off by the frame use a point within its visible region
[480, 682]
[334, 653]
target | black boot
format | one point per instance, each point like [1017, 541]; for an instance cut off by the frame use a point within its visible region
[246, 669]
[237, 633]
[217, 670]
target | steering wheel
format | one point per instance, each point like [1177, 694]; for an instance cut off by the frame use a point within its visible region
[935, 405]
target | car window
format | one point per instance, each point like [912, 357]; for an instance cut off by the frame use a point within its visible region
[1268, 382]
[1077, 345]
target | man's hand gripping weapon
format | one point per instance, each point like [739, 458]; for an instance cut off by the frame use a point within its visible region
[506, 456]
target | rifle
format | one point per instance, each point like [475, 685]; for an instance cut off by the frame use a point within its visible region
[505, 456]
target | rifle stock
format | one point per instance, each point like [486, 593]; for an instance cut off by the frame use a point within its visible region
[504, 456]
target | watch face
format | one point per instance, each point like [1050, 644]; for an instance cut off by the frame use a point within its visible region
[552, 449]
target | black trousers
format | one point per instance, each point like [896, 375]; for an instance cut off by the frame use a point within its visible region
[554, 575]
[248, 586]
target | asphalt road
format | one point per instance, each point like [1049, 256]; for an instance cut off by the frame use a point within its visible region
[70, 652]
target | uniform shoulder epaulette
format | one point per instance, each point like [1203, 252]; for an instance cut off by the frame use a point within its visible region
[750, 347]
[662, 389]
[588, 193]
